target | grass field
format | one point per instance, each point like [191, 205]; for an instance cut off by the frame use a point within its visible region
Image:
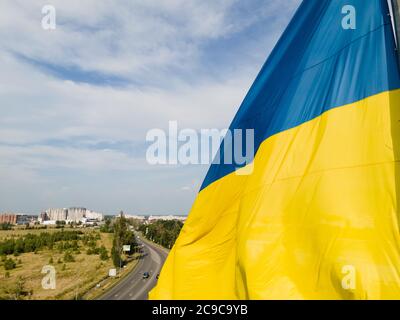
[76, 279]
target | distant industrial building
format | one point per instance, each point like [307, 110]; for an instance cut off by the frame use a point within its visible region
[26, 218]
[17, 218]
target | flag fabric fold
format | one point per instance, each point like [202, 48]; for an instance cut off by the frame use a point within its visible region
[318, 216]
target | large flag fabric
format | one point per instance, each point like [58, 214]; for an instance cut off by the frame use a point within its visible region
[318, 218]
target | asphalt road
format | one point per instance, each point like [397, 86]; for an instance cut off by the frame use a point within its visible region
[133, 286]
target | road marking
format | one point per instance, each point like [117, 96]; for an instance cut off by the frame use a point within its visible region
[155, 257]
[152, 254]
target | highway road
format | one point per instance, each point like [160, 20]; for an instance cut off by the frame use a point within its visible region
[133, 286]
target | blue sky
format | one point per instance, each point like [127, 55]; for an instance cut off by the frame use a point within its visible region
[77, 102]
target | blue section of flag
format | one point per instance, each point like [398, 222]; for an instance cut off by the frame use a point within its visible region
[306, 75]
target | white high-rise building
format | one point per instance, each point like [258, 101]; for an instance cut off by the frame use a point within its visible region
[94, 215]
[71, 214]
[76, 214]
[57, 214]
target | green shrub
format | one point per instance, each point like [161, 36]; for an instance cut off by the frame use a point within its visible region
[103, 253]
[68, 257]
[5, 226]
[9, 264]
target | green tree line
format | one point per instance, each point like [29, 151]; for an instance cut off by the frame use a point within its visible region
[6, 226]
[33, 243]
[163, 232]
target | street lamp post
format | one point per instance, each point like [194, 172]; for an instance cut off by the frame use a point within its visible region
[120, 260]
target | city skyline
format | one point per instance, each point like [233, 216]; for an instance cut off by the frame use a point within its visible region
[116, 213]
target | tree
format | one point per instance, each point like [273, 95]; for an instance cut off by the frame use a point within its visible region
[5, 226]
[162, 232]
[19, 246]
[107, 227]
[122, 236]
[18, 291]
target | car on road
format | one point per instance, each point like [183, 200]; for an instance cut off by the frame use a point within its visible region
[146, 275]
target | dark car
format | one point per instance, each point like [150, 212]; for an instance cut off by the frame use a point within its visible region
[146, 275]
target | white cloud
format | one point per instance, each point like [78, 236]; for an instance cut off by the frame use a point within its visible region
[38, 108]
[49, 124]
[128, 38]
[125, 37]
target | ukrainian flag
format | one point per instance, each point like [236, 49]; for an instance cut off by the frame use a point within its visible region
[318, 218]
